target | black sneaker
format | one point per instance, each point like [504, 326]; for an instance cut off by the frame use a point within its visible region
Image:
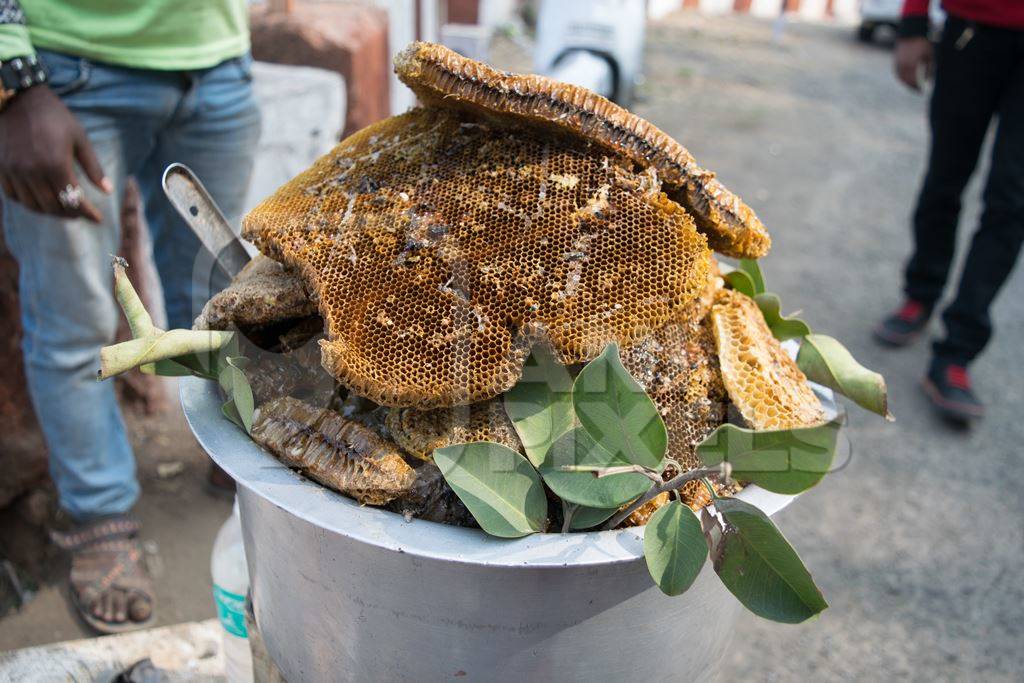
[949, 387]
[903, 325]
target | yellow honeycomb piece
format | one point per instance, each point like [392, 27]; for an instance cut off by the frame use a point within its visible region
[763, 382]
[340, 454]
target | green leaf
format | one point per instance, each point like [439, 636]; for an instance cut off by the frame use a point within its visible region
[674, 547]
[198, 364]
[167, 368]
[741, 282]
[499, 486]
[576, 447]
[784, 461]
[753, 270]
[586, 518]
[759, 566]
[825, 361]
[118, 358]
[540, 404]
[236, 386]
[617, 413]
[231, 413]
[782, 328]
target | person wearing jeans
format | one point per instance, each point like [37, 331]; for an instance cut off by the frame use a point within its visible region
[91, 96]
[979, 75]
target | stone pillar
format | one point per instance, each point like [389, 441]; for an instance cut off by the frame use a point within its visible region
[351, 39]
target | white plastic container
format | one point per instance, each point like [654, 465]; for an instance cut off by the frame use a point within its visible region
[230, 584]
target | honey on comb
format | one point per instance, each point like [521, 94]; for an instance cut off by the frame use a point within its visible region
[440, 246]
[443, 78]
[763, 382]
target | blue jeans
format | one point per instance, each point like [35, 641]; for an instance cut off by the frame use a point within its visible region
[138, 122]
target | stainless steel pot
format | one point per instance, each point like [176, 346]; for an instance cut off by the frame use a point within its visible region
[349, 593]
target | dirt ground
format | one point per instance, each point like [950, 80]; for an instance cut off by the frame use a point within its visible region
[180, 520]
[917, 542]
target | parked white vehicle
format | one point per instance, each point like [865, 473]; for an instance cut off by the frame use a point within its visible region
[876, 14]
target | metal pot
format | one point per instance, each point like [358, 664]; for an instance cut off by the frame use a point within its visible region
[349, 593]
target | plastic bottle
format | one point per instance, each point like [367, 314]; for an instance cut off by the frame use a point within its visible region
[230, 584]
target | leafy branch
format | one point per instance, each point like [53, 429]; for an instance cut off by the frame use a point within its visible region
[672, 484]
[174, 353]
[598, 443]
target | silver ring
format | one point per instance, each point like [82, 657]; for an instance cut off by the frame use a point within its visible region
[70, 197]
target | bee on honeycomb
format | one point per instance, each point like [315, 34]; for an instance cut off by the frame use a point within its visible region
[441, 245]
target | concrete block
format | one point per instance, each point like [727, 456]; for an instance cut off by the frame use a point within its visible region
[185, 652]
[303, 109]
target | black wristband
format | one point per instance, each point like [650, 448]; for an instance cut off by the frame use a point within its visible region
[913, 27]
[21, 73]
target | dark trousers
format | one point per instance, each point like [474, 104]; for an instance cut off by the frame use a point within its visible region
[975, 80]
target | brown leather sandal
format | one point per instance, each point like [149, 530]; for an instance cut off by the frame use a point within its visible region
[110, 585]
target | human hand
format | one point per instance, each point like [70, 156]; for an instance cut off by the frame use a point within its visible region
[914, 55]
[39, 141]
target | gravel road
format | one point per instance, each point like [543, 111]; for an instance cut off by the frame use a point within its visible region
[917, 542]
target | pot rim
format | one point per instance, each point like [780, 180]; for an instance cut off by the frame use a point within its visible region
[257, 471]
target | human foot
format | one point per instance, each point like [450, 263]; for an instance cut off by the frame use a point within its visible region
[904, 325]
[109, 583]
[948, 386]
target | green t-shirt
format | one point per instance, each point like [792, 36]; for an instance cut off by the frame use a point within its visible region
[170, 35]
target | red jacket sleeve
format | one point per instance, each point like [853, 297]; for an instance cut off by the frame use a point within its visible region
[914, 21]
[915, 8]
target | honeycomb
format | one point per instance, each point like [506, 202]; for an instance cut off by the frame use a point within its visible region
[431, 498]
[419, 432]
[338, 453]
[442, 78]
[762, 381]
[262, 292]
[296, 373]
[677, 366]
[440, 246]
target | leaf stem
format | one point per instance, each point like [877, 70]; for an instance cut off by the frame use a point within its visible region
[122, 357]
[709, 487]
[139, 321]
[600, 471]
[659, 488]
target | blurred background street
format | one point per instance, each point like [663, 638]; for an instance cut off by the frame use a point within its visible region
[918, 542]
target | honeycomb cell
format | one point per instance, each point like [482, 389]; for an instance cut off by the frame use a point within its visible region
[440, 246]
[443, 78]
[678, 367]
[762, 381]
